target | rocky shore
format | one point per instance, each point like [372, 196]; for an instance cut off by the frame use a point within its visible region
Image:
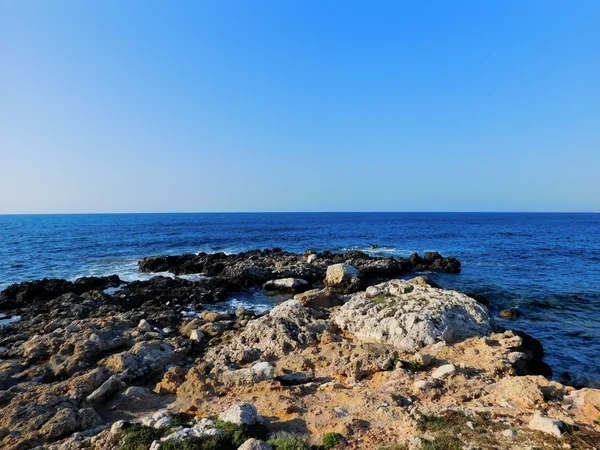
[352, 358]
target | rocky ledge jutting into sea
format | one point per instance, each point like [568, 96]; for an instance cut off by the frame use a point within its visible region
[352, 358]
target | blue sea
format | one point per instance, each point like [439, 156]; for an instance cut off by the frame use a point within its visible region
[548, 265]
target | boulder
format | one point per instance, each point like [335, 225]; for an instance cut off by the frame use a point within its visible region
[109, 388]
[260, 371]
[443, 372]
[240, 414]
[343, 277]
[319, 298]
[547, 425]
[410, 317]
[254, 444]
[294, 285]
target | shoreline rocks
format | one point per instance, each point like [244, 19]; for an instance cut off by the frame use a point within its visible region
[359, 358]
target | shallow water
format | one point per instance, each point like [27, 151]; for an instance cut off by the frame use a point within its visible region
[546, 264]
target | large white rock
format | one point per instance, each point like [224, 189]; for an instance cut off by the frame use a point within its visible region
[240, 414]
[410, 317]
[443, 371]
[341, 275]
[287, 284]
[255, 444]
[546, 425]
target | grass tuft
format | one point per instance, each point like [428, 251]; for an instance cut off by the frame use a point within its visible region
[332, 440]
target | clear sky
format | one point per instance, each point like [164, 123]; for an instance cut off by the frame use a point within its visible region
[273, 105]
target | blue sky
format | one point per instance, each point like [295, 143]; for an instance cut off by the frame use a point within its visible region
[270, 105]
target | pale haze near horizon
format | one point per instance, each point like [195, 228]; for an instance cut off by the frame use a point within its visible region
[299, 106]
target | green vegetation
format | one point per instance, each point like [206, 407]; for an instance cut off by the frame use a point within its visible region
[290, 442]
[413, 366]
[431, 423]
[241, 433]
[394, 446]
[331, 440]
[408, 289]
[381, 299]
[221, 442]
[139, 437]
[442, 443]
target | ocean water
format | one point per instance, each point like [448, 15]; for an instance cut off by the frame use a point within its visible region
[548, 265]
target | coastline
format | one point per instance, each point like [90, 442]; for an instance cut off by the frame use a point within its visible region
[353, 351]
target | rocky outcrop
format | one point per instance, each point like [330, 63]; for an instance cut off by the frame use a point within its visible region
[402, 362]
[24, 294]
[410, 317]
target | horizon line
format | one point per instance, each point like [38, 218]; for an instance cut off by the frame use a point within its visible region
[292, 212]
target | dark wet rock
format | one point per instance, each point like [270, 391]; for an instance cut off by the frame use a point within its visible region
[479, 298]
[259, 266]
[166, 291]
[23, 294]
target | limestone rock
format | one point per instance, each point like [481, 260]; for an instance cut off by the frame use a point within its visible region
[546, 425]
[254, 444]
[294, 285]
[144, 326]
[240, 414]
[109, 388]
[196, 335]
[443, 372]
[410, 317]
[319, 298]
[342, 277]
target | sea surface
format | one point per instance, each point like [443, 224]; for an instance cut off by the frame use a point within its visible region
[547, 265]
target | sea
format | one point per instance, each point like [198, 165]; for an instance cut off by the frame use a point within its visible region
[545, 264]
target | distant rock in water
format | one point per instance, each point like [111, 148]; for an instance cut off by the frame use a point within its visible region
[259, 266]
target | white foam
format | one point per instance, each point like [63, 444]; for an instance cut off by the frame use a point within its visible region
[4, 320]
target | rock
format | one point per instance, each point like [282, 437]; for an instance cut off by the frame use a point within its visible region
[294, 285]
[109, 388]
[62, 423]
[260, 371]
[423, 280]
[215, 316]
[479, 298]
[443, 371]
[204, 427]
[319, 298]
[511, 313]
[118, 426]
[263, 370]
[286, 327]
[196, 335]
[240, 414]
[311, 258]
[547, 425]
[295, 378]
[343, 277]
[137, 393]
[410, 317]
[163, 422]
[509, 433]
[144, 326]
[421, 385]
[254, 444]
[586, 402]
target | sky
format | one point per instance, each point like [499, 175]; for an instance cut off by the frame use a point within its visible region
[299, 105]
